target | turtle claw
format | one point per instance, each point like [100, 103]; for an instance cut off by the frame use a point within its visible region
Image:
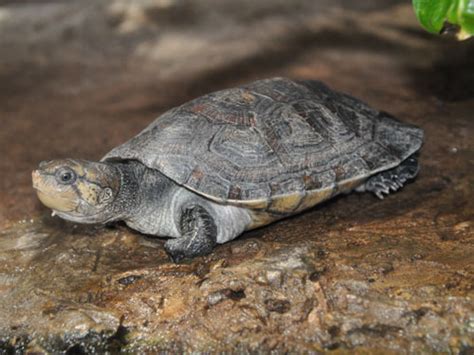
[392, 180]
[379, 195]
[381, 190]
[172, 249]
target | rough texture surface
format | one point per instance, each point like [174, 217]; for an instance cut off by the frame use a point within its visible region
[272, 138]
[79, 77]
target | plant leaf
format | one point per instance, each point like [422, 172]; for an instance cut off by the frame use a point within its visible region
[466, 16]
[432, 14]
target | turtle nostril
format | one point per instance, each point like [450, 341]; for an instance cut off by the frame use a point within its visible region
[35, 175]
[43, 164]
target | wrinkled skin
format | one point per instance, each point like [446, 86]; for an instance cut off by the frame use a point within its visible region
[78, 190]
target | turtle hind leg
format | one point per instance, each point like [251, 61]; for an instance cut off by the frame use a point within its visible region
[391, 180]
[199, 234]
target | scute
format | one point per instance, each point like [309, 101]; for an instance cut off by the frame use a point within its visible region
[273, 142]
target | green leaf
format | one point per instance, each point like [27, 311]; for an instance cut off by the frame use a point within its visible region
[432, 15]
[466, 16]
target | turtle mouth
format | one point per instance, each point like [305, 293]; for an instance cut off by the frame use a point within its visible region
[50, 197]
[55, 202]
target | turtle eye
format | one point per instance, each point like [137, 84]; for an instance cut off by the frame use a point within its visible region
[65, 176]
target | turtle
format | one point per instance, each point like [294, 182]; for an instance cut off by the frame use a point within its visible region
[233, 160]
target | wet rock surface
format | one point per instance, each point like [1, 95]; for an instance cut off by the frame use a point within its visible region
[354, 273]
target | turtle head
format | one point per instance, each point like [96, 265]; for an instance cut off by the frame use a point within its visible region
[78, 190]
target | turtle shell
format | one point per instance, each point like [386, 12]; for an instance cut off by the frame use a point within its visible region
[275, 142]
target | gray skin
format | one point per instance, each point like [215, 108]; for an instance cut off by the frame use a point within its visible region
[151, 203]
[234, 160]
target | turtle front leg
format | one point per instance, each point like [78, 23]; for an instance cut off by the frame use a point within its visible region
[199, 234]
